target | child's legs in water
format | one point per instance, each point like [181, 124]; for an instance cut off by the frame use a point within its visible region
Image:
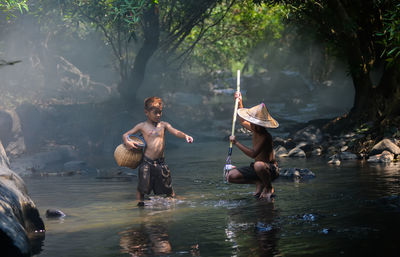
[236, 177]
[263, 172]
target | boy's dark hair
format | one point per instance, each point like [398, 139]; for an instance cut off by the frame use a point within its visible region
[153, 102]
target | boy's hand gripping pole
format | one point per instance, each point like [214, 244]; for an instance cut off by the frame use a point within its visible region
[228, 165]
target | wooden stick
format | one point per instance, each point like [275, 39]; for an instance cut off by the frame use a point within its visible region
[236, 107]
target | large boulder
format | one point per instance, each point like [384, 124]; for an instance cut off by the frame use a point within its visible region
[6, 123]
[15, 143]
[19, 217]
[280, 151]
[4, 161]
[384, 157]
[385, 145]
[297, 152]
[309, 134]
[296, 173]
[348, 156]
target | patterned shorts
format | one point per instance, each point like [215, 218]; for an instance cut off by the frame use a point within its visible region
[154, 175]
[249, 172]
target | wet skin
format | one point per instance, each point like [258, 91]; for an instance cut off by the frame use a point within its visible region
[153, 131]
[262, 152]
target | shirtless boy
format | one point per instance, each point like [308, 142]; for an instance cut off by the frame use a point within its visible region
[264, 169]
[154, 173]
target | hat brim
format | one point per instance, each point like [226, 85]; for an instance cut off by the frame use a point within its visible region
[244, 114]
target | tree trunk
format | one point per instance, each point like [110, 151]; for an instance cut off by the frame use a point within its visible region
[362, 108]
[389, 93]
[355, 44]
[151, 28]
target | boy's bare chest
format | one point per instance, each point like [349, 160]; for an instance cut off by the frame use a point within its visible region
[153, 132]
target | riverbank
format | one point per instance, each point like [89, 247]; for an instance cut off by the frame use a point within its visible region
[78, 139]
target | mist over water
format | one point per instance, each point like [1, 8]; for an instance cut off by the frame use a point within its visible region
[60, 68]
[56, 67]
[64, 93]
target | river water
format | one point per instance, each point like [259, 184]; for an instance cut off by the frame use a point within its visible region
[351, 210]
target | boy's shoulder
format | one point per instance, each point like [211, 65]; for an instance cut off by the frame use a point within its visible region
[140, 124]
[164, 123]
[145, 124]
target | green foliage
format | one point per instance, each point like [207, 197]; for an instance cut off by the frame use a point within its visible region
[110, 15]
[374, 22]
[127, 11]
[363, 128]
[9, 6]
[391, 34]
[233, 32]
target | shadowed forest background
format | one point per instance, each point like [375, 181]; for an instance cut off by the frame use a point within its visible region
[76, 72]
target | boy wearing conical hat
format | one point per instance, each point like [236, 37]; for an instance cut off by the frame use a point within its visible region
[264, 169]
[154, 174]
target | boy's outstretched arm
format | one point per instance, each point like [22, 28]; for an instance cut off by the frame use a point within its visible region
[178, 133]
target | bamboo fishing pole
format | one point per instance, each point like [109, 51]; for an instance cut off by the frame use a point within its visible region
[235, 110]
[228, 165]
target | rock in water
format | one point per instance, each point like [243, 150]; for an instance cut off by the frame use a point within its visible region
[54, 213]
[18, 214]
[385, 145]
[297, 173]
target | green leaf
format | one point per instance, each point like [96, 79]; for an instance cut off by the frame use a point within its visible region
[393, 50]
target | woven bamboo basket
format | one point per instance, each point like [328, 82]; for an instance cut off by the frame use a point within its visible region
[130, 158]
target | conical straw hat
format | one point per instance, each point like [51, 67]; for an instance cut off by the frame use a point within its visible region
[258, 115]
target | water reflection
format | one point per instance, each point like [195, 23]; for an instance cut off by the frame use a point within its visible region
[151, 236]
[36, 240]
[385, 169]
[250, 224]
[148, 239]
[380, 177]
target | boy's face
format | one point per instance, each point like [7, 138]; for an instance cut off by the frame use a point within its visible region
[154, 114]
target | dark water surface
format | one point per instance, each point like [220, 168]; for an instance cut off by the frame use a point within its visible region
[351, 210]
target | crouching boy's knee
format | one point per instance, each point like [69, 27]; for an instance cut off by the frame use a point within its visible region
[228, 177]
[260, 166]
